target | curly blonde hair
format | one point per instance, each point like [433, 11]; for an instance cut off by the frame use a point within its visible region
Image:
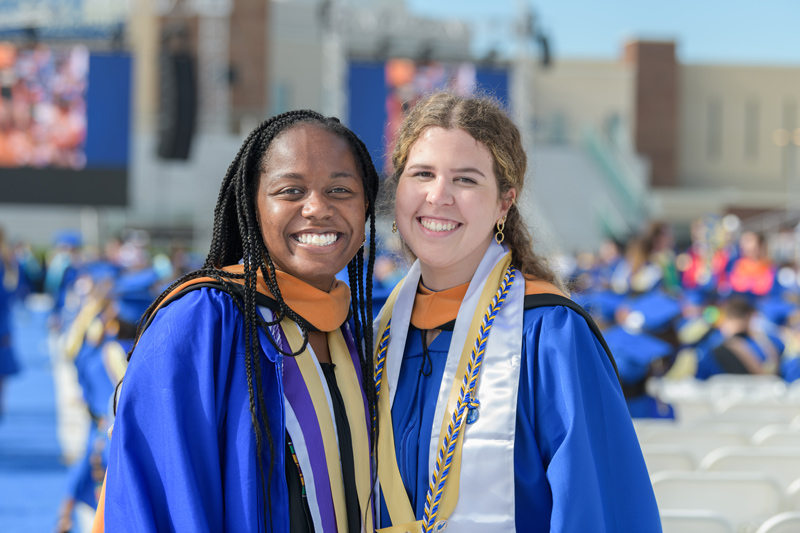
[484, 119]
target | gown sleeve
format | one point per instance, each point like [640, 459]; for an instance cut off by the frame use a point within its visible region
[165, 465]
[577, 458]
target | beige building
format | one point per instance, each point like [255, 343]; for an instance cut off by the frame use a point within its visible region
[612, 143]
[738, 138]
[254, 58]
[712, 138]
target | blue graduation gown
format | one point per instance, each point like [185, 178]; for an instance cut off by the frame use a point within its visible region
[98, 388]
[183, 451]
[707, 364]
[8, 362]
[577, 459]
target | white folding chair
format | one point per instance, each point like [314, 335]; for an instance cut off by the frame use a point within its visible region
[747, 426]
[793, 496]
[781, 435]
[783, 464]
[645, 426]
[662, 457]
[722, 385]
[781, 523]
[793, 391]
[673, 521]
[688, 411]
[764, 411]
[699, 441]
[744, 498]
[674, 390]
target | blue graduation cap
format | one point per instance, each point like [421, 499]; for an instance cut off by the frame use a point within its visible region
[652, 311]
[133, 293]
[100, 270]
[699, 297]
[68, 237]
[776, 309]
[599, 303]
[634, 352]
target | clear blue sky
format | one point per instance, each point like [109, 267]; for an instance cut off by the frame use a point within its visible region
[706, 31]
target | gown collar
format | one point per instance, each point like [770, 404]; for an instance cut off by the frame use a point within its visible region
[325, 311]
[432, 308]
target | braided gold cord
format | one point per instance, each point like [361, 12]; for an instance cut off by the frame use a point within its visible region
[466, 399]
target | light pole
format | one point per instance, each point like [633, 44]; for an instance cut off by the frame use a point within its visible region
[789, 140]
[334, 64]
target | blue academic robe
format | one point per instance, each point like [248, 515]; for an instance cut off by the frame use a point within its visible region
[183, 451]
[707, 364]
[578, 465]
[8, 362]
[98, 388]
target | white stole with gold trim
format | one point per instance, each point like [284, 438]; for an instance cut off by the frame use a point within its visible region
[486, 482]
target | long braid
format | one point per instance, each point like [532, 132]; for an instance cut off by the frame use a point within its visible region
[252, 356]
[369, 384]
[361, 298]
[255, 250]
[360, 266]
[237, 236]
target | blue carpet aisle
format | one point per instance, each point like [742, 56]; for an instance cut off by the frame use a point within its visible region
[32, 474]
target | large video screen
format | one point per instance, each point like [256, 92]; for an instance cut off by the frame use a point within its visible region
[382, 92]
[64, 125]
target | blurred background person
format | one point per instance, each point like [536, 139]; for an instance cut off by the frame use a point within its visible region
[752, 273]
[9, 279]
[736, 346]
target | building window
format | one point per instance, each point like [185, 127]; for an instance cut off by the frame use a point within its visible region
[751, 130]
[714, 129]
[790, 114]
[281, 97]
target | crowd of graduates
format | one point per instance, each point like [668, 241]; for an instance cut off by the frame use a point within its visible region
[95, 299]
[722, 305]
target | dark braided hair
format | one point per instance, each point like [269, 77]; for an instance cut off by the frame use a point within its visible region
[237, 237]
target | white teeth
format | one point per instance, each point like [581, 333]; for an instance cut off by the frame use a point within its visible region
[436, 225]
[316, 239]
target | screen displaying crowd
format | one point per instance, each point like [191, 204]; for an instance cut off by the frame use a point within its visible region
[43, 106]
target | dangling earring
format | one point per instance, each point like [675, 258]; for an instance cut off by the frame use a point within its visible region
[501, 225]
[394, 226]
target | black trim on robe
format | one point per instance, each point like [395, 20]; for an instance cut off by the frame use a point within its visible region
[299, 514]
[727, 358]
[345, 450]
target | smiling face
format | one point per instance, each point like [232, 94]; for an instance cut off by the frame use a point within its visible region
[310, 204]
[447, 205]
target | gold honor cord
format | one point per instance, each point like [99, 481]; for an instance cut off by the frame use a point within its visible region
[75, 336]
[115, 361]
[439, 501]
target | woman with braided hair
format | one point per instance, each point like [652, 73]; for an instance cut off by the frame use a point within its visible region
[499, 405]
[248, 401]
